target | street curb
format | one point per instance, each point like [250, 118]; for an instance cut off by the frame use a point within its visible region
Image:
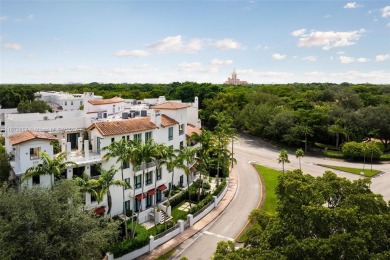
[197, 227]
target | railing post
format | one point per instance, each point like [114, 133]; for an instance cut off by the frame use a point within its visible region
[109, 256]
[181, 224]
[68, 150]
[215, 201]
[151, 243]
[190, 219]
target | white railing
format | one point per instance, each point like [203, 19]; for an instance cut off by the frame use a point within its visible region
[174, 231]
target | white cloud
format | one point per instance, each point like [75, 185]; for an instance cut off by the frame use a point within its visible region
[298, 32]
[261, 47]
[341, 52]
[176, 44]
[278, 56]
[133, 53]
[388, 25]
[221, 62]
[3, 18]
[361, 77]
[30, 17]
[12, 46]
[382, 57]
[346, 59]
[329, 39]
[386, 11]
[226, 44]
[310, 58]
[351, 5]
[327, 16]
[315, 74]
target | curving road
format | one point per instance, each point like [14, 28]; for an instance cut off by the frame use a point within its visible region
[229, 224]
[249, 149]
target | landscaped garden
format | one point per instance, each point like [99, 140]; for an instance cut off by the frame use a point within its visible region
[359, 171]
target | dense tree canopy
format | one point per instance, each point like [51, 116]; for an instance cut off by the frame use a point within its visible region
[318, 218]
[42, 223]
[273, 112]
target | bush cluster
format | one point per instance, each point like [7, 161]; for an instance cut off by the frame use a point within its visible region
[140, 240]
[354, 150]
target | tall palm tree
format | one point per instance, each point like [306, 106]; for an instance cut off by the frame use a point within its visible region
[143, 153]
[306, 131]
[49, 166]
[283, 157]
[337, 130]
[122, 151]
[105, 181]
[173, 162]
[87, 186]
[299, 154]
[187, 154]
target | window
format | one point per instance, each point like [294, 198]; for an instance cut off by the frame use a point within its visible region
[181, 180]
[36, 179]
[137, 181]
[66, 103]
[81, 103]
[128, 138]
[158, 194]
[148, 135]
[149, 178]
[181, 144]
[170, 133]
[93, 198]
[71, 103]
[112, 139]
[95, 173]
[123, 137]
[137, 137]
[158, 174]
[127, 205]
[148, 201]
[126, 165]
[35, 153]
[137, 203]
[127, 180]
[181, 129]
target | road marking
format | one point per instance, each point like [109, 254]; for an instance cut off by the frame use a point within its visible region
[217, 235]
[258, 204]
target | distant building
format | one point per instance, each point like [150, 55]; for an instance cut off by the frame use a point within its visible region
[234, 80]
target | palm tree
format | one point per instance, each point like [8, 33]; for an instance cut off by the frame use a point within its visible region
[187, 154]
[337, 130]
[143, 154]
[105, 181]
[122, 151]
[173, 162]
[87, 186]
[49, 166]
[283, 157]
[306, 131]
[299, 154]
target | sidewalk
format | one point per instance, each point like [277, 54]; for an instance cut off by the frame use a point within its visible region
[198, 226]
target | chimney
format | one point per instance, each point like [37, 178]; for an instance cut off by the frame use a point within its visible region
[155, 117]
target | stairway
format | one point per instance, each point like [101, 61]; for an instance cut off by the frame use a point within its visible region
[164, 217]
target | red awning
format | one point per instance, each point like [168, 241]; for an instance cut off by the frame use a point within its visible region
[162, 187]
[140, 197]
[100, 210]
[151, 192]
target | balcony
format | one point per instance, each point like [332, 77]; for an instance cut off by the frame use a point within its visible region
[80, 157]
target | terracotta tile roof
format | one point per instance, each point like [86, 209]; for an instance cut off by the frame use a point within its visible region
[123, 126]
[106, 101]
[170, 105]
[28, 136]
[193, 129]
[167, 121]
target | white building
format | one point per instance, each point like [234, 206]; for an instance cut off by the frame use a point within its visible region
[65, 101]
[83, 135]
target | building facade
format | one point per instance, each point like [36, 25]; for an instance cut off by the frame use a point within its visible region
[83, 134]
[234, 80]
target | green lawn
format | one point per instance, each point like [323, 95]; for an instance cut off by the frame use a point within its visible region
[270, 177]
[179, 214]
[367, 172]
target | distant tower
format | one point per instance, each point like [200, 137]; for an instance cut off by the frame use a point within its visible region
[234, 80]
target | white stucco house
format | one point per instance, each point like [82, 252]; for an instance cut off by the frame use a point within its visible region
[83, 134]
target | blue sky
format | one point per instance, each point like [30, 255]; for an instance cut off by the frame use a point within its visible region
[199, 40]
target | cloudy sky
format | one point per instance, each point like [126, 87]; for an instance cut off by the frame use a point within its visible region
[163, 41]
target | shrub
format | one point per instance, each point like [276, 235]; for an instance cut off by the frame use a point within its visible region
[354, 150]
[219, 188]
[333, 154]
[140, 240]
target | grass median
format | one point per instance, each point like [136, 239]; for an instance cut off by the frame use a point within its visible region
[358, 171]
